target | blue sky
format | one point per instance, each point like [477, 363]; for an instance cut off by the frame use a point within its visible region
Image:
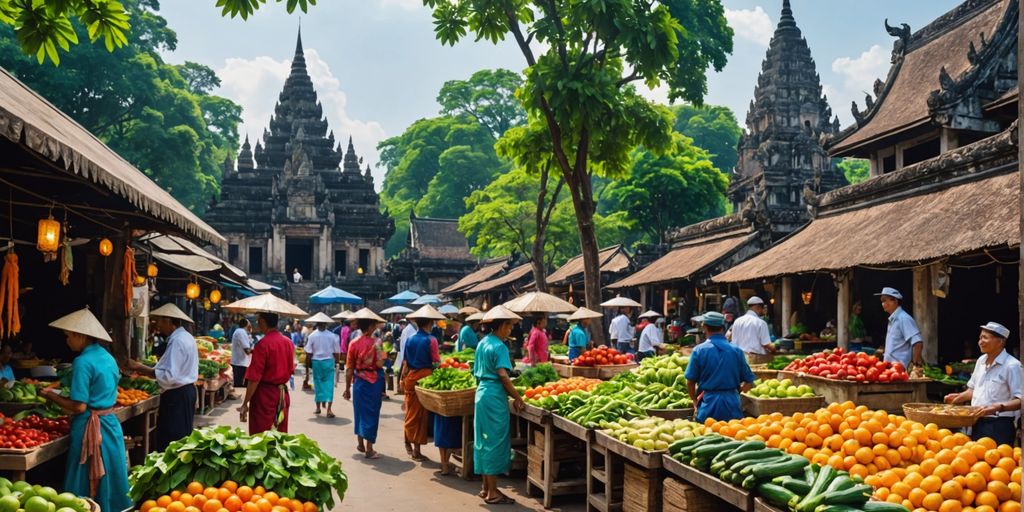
[377, 66]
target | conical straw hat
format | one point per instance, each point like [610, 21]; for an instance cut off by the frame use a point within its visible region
[500, 313]
[82, 322]
[621, 302]
[650, 314]
[366, 314]
[319, 318]
[539, 302]
[266, 303]
[343, 315]
[469, 310]
[584, 313]
[426, 312]
[475, 317]
[169, 310]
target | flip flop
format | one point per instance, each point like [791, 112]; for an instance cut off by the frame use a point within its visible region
[482, 494]
[331, 415]
[360, 448]
[419, 458]
[373, 455]
[502, 500]
[316, 412]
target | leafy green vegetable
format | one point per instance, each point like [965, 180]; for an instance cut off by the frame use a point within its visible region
[148, 385]
[780, 362]
[561, 350]
[537, 375]
[448, 379]
[209, 369]
[288, 464]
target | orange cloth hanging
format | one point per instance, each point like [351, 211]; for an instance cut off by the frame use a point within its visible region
[128, 278]
[10, 320]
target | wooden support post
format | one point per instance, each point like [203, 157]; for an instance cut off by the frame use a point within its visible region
[787, 303]
[926, 313]
[843, 309]
[114, 317]
[1020, 193]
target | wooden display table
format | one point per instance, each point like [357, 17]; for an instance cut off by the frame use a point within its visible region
[888, 396]
[760, 505]
[463, 461]
[569, 371]
[549, 451]
[19, 463]
[738, 497]
[607, 459]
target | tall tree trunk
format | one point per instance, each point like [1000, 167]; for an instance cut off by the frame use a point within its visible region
[583, 202]
[545, 207]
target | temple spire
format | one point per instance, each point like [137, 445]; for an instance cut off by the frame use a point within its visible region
[351, 163]
[245, 155]
[787, 20]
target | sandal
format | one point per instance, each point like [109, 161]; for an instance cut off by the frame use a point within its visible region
[418, 458]
[330, 414]
[372, 455]
[482, 494]
[316, 411]
[360, 448]
[500, 500]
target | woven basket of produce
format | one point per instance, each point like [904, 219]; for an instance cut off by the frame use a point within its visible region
[447, 403]
[948, 416]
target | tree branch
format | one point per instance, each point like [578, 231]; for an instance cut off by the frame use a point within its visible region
[557, 20]
[635, 75]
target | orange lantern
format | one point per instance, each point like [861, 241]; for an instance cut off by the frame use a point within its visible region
[152, 270]
[214, 296]
[206, 304]
[48, 239]
[106, 247]
[139, 280]
[192, 291]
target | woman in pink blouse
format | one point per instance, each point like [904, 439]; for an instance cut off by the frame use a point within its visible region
[537, 343]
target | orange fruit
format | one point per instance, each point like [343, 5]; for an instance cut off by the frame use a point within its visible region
[223, 494]
[198, 500]
[211, 493]
[272, 497]
[1001, 490]
[1016, 474]
[147, 505]
[230, 485]
[967, 498]
[192, 509]
[1009, 506]
[163, 501]
[927, 466]
[992, 457]
[244, 492]
[951, 506]
[975, 482]
[986, 498]
[943, 471]
[250, 507]
[297, 506]
[858, 470]
[951, 490]
[1000, 475]
[212, 505]
[880, 449]
[310, 507]
[960, 466]
[175, 495]
[194, 488]
[900, 488]
[864, 455]
[176, 506]
[261, 491]
[281, 509]
[981, 467]
[264, 505]
[930, 484]
[233, 503]
[984, 508]
[284, 502]
[1006, 464]
[185, 499]
[1014, 490]
[987, 442]
[932, 501]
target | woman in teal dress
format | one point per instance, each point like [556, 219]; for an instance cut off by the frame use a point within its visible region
[492, 442]
[96, 460]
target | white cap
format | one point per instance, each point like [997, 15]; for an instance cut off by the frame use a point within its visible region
[755, 301]
[892, 292]
[997, 328]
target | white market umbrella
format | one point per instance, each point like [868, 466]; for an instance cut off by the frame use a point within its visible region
[539, 302]
[621, 302]
[396, 310]
[266, 303]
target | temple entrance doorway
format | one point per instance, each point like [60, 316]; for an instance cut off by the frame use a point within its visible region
[298, 253]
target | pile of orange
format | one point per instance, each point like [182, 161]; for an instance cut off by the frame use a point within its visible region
[889, 450]
[229, 497]
[561, 386]
[130, 396]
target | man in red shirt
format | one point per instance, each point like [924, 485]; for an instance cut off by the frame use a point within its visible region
[271, 367]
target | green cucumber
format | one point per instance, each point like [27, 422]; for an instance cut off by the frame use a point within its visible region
[681, 444]
[840, 483]
[749, 482]
[882, 506]
[760, 454]
[744, 467]
[854, 496]
[810, 473]
[726, 475]
[794, 466]
[837, 508]
[793, 484]
[814, 498]
[710, 451]
[775, 494]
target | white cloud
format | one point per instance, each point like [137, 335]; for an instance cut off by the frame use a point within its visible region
[255, 84]
[858, 76]
[409, 5]
[751, 24]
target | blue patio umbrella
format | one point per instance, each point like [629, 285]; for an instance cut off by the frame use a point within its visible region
[427, 299]
[448, 309]
[332, 295]
[402, 298]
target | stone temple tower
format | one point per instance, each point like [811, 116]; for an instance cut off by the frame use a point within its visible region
[781, 150]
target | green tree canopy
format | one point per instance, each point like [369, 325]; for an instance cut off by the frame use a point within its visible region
[158, 116]
[714, 129]
[488, 97]
[856, 170]
[668, 191]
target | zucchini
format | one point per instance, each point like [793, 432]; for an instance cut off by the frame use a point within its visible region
[794, 466]
[837, 508]
[810, 473]
[793, 484]
[776, 494]
[749, 482]
[856, 496]
[726, 476]
[760, 454]
[747, 446]
[681, 444]
[745, 466]
[840, 483]
[815, 497]
[710, 451]
[882, 506]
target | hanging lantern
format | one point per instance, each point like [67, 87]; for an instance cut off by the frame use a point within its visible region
[192, 291]
[49, 235]
[206, 304]
[106, 247]
[359, 270]
[152, 270]
[806, 296]
[215, 296]
[139, 280]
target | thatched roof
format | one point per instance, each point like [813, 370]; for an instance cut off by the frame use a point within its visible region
[955, 220]
[438, 239]
[944, 43]
[685, 261]
[480, 275]
[521, 272]
[27, 119]
[612, 260]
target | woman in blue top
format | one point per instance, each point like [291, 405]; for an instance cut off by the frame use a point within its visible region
[492, 442]
[6, 372]
[577, 337]
[96, 460]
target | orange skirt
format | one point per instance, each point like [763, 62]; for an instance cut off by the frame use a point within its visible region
[416, 416]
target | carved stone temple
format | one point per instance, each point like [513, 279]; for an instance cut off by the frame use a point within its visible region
[300, 200]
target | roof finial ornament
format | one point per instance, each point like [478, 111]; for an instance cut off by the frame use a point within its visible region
[787, 19]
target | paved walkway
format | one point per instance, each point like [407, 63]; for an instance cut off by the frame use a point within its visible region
[392, 482]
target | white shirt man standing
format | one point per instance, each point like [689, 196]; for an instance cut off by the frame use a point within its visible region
[407, 332]
[296, 276]
[750, 331]
[621, 332]
[241, 350]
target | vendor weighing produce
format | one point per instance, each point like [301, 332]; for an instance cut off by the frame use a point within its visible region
[97, 466]
[719, 371]
[995, 386]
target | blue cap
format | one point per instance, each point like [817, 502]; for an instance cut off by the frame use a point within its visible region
[997, 329]
[713, 319]
[891, 292]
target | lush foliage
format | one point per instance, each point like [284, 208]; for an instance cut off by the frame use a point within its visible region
[714, 129]
[856, 170]
[448, 379]
[488, 97]
[290, 465]
[160, 117]
[668, 191]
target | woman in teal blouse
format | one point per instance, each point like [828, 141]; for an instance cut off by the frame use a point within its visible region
[96, 458]
[492, 442]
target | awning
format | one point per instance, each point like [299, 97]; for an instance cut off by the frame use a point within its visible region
[188, 262]
[475, 278]
[612, 260]
[260, 286]
[190, 257]
[28, 119]
[957, 220]
[512, 276]
[683, 262]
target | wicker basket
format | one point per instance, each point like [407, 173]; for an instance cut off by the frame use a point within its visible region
[447, 403]
[758, 358]
[762, 372]
[922, 413]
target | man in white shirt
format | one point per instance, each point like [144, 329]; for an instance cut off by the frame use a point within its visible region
[750, 331]
[241, 350]
[407, 332]
[621, 332]
[652, 337]
[176, 372]
[296, 276]
[995, 386]
[322, 355]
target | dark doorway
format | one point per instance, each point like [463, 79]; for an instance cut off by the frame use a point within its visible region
[298, 254]
[256, 260]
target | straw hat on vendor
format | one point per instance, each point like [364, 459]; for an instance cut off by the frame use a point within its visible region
[96, 465]
[416, 361]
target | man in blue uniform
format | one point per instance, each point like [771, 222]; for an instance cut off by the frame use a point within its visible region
[717, 373]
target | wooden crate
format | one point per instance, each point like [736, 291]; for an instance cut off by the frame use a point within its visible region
[760, 505]
[671, 414]
[888, 396]
[551, 454]
[572, 428]
[608, 371]
[738, 497]
[679, 496]
[641, 489]
[532, 413]
[642, 458]
[753, 406]
[568, 371]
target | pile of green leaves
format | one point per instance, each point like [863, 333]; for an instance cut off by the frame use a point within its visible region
[464, 356]
[448, 379]
[148, 385]
[780, 362]
[288, 464]
[561, 350]
[209, 369]
[537, 375]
